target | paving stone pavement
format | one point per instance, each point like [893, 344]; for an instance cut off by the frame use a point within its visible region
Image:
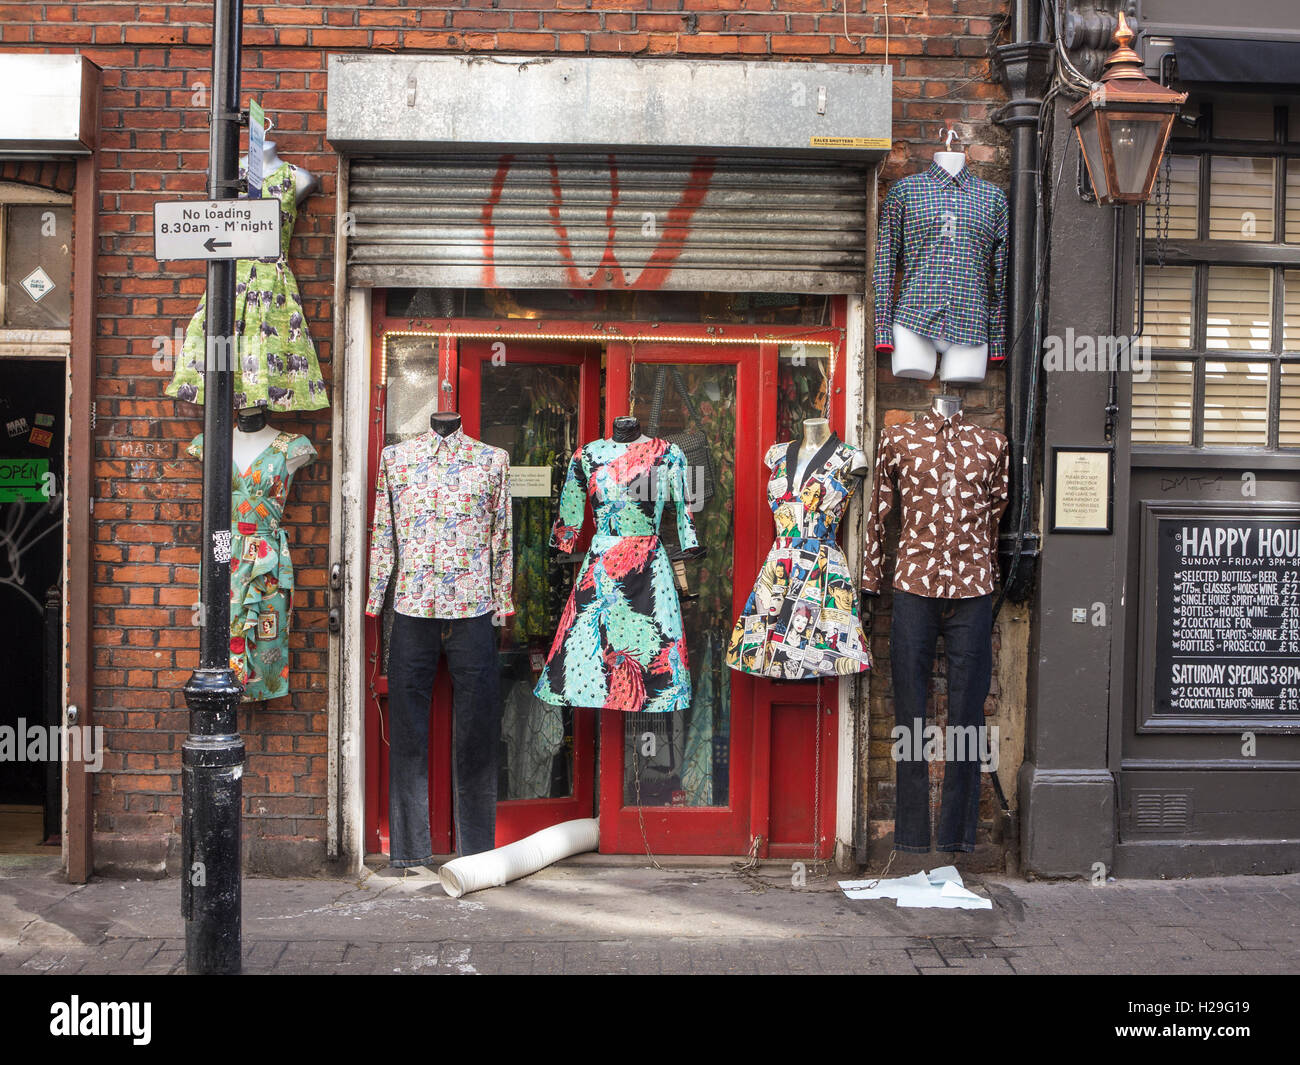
[588, 916]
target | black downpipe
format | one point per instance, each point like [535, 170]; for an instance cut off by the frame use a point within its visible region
[212, 756]
[1026, 69]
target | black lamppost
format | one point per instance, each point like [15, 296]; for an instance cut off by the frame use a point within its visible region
[212, 757]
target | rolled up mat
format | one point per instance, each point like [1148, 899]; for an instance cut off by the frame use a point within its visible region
[493, 868]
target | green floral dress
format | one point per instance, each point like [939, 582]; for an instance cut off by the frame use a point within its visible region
[261, 572]
[276, 359]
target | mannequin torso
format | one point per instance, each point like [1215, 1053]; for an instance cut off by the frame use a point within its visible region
[816, 431]
[628, 431]
[252, 436]
[304, 181]
[917, 356]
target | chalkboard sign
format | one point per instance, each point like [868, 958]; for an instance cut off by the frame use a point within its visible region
[1227, 629]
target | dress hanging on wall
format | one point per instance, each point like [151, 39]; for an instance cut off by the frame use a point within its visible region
[801, 619]
[620, 644]
[261, 571]
[276, 359]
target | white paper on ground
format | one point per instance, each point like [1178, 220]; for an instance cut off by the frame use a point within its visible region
[940, 889]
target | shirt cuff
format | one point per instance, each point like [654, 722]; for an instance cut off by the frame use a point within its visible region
[871, 583]
[884, 349]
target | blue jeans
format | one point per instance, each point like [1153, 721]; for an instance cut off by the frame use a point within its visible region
[967, 629]
[470, 646]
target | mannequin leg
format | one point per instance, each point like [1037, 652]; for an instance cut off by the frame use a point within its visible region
[964, 364]
[913, 636]
[471, 647]
[968, 648]
[914, 355]
[413, 666]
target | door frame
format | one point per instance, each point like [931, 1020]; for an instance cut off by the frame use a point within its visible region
[361, 335]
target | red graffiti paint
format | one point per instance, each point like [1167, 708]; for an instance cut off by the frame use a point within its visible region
[489, 229]
[609, 273]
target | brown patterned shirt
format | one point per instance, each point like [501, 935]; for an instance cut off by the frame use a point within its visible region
[952, 477]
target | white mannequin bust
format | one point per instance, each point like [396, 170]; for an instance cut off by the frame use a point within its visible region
[247, 446]
[304, 181]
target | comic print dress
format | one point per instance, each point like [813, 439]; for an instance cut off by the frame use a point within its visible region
[261, 571]
[801, 619]
[619, 644]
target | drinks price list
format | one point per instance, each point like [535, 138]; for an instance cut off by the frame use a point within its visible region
[1228, 617]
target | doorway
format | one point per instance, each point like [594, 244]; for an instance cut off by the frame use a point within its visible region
[749, 766]
[32, 404]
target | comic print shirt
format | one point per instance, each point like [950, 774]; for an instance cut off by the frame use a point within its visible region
[442, 515]
[951, 477]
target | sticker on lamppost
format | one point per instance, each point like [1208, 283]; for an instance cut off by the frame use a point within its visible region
[216, 229]
[256, 144]
[37, 284]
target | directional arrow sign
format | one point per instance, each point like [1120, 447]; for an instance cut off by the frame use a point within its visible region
[216, 229]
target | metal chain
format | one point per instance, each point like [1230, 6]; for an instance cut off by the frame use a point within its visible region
[1163, 210]
[817, 778]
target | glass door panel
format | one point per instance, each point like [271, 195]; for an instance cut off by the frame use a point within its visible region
[538, 404]
[681, 759]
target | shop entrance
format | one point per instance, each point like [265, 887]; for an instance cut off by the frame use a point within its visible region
[31, 600]
[749, 759]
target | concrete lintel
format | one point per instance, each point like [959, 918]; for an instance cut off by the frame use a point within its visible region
[386, 103]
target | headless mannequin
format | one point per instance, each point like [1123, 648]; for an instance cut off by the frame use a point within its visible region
[916, 356]
[444, 422]
[628, 431]
[304, 181]
[253, 435]
[816, 431]
[944, 404]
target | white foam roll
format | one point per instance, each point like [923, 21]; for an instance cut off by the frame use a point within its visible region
[496, 867]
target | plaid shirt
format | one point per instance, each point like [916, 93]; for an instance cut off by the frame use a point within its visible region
[952, 235]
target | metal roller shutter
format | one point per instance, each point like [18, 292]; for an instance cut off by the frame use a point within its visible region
[623, 222]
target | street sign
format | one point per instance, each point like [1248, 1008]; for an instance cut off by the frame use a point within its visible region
[216, 229]
[256, 140]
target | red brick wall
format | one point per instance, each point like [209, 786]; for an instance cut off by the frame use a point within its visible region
[155, 57]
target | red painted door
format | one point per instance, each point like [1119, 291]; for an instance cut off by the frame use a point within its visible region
[538, 402]
[684, 783]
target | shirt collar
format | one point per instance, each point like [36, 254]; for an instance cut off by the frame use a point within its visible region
[940, 176]
[454, 442]
[936, 421]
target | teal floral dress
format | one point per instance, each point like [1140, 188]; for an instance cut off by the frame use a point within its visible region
[261, 572]
[620, 643]
[276, 359]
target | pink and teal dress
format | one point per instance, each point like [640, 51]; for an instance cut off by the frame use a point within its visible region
[620, 644]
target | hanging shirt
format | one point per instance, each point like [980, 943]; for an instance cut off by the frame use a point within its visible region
[951, 233]
[952, 479]
[442, 511]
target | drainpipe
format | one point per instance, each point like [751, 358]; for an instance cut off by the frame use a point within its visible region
[1026, 67]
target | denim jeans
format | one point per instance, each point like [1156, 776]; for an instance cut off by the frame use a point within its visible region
[967, 629]
[470, 647]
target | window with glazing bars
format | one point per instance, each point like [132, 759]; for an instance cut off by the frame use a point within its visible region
[1222, 283]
